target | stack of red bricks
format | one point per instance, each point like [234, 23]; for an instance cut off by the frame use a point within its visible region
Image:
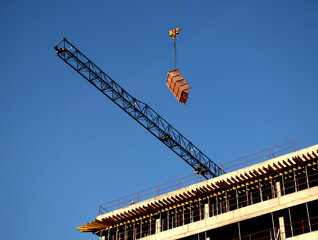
[178, 86]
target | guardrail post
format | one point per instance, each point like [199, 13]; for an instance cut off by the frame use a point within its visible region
[158, 190]
[269, 153]
[245, 162]
[118, 203]
[138, 197]
[179, 183]
[294, 146]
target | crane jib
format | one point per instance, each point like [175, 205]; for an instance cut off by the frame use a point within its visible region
[138, 110]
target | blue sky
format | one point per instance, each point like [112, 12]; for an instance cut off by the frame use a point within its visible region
[65, 148]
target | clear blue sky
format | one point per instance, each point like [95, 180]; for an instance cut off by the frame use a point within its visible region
[65, 148]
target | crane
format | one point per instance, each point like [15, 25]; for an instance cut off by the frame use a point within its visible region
[138, 110]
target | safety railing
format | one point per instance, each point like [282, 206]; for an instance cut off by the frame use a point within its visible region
[150, 193]
[179, 217]
[196, 178]
[299, 227]
[260, 156]
[264, 194]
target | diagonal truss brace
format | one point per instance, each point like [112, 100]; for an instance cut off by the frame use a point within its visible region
[138, 110]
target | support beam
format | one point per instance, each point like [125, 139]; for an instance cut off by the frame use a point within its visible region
[278, 189]
[158, 225]
[206, 211]
[282, 228]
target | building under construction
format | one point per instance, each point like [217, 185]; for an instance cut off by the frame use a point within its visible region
[273, 199]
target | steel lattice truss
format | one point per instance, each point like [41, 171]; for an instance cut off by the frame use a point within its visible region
[138, 110]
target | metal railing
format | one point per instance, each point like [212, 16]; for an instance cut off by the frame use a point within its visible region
[180, 218]
[260, 156]
[300, 227]
[233, 165]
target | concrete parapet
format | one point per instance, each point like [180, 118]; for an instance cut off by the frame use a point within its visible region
[306, 236]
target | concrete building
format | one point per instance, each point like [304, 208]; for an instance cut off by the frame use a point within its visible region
[274, 199]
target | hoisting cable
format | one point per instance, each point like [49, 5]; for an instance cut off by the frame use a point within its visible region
[177, 12]
[173, 33]
[175, 54]
[169, 17]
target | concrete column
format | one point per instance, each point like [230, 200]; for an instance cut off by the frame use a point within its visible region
[206, 211]
[282, 228]
[278, 189]
[158, 226]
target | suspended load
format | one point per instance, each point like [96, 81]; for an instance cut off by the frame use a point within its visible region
[175, 82]
[178, 86]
